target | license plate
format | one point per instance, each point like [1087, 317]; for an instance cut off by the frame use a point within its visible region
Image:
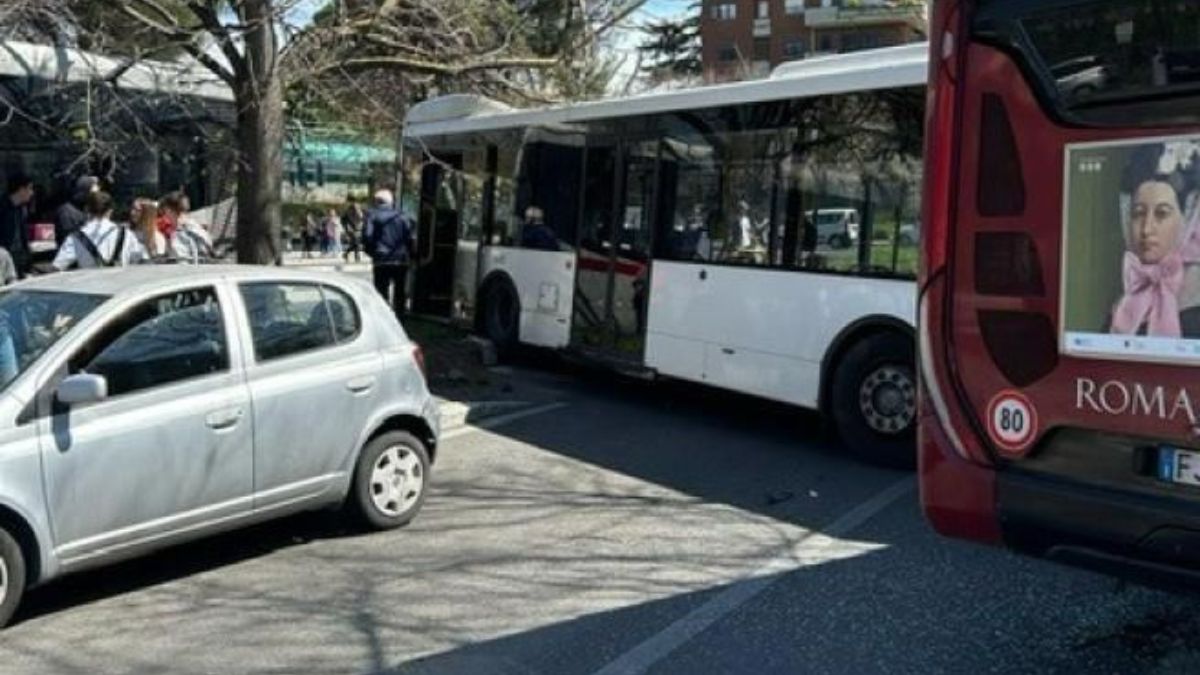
[1179, 466]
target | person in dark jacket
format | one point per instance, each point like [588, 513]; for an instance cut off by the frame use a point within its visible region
[14, 221]
[388, 236]
[71, 216]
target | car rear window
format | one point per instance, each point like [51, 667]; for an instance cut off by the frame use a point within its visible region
[1105, 62]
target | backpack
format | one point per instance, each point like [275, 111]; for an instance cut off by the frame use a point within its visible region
[90, 247]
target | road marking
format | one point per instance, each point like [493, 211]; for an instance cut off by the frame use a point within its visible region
[501, 420]
[813, 548]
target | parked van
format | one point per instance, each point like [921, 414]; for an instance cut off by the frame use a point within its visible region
[836, 228]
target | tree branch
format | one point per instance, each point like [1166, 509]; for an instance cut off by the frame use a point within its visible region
[184, 37]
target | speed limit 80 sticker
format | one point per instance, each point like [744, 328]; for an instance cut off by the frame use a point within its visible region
[1012, 420]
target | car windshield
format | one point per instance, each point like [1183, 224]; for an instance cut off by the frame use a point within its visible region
[32, 321]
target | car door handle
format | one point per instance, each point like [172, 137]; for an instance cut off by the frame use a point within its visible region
[224, 419]
[361, 385]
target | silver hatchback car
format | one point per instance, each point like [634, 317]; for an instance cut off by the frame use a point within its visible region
[147, 406]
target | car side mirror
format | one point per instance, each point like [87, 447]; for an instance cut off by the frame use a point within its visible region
[82, 388]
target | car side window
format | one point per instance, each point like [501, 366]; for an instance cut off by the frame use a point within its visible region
[169, 338]
[287, 319]
[347, 323]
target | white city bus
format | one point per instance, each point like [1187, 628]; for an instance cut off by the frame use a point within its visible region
[673, 233]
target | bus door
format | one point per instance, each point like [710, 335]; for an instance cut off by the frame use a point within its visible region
[612, 286]
[437, 240]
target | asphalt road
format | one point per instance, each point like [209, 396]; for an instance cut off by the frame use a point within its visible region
[611, 527]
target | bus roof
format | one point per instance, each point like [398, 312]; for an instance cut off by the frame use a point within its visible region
[46, 62]
[860, 71]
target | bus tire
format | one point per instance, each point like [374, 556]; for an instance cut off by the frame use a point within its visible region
[873, 400]
[501, 316]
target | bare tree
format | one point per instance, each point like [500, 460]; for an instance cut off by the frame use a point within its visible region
[254, 47]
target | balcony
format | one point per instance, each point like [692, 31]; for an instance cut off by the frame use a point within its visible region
[867, 14]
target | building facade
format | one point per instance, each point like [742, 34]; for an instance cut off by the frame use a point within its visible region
[744, 39]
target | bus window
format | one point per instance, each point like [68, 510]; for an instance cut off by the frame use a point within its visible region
[507, 220]
[1105, 62]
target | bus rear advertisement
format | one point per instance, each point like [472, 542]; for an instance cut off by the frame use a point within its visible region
[1059, 306]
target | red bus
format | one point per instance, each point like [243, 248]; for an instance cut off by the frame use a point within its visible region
[1060, 282]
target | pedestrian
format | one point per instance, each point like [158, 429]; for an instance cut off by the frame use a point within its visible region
[14, 221]
[352, 221]
[70, 216]
[388, 237]
[308, 234]
[143, 221]
[333, 230]
[100, 242]
[188, 241]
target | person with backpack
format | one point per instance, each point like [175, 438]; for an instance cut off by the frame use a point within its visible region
[388, 236]
[100, 242]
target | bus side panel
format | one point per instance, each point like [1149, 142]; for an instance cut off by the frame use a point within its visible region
[763, 332]
[545, 282]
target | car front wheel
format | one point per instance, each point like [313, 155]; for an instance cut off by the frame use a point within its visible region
[390, 480]
[12, 576]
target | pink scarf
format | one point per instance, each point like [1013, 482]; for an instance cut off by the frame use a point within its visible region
[1151, 297]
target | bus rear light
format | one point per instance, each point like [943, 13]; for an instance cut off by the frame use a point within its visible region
[1023, 345]
[1001, 187]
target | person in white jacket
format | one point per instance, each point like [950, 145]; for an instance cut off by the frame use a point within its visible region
[189, 241]
[100, 242]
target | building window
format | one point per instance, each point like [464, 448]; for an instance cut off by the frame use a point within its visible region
[763, 10]
[762, 49]
[727, 53]
[793, 6]
[794, 49]
[724, 11]
[857, 41]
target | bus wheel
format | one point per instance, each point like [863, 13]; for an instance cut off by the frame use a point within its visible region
[874, 400]
[501, 316]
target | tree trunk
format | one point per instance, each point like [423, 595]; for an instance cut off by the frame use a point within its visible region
[260, 141]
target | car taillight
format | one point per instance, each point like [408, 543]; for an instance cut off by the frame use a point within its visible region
[419, 357]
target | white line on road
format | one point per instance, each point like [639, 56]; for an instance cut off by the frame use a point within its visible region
[501, 420]
[813, 548]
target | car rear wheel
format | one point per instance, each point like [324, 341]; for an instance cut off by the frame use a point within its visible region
[12, 576]
[390, 480]
[874, 400]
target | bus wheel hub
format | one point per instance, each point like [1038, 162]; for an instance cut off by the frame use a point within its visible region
[888, 400]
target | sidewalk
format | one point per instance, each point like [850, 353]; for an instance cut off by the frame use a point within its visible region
[330, 263]
[468, 390]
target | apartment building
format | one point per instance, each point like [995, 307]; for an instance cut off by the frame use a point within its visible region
[744, 39]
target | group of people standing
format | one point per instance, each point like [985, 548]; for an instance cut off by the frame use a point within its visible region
[86, 235]
[334, 234]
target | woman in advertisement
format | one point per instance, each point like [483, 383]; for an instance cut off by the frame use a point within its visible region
[1161, 266]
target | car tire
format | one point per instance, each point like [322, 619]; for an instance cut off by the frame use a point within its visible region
[873, 400]
[391, 480]
[12, 576]
[501, 316]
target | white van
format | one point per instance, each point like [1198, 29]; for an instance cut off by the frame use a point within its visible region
[836, 228]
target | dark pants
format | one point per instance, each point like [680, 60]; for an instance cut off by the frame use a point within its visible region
[392, 277]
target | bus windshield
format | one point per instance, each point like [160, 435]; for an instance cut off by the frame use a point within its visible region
[1091, 57]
